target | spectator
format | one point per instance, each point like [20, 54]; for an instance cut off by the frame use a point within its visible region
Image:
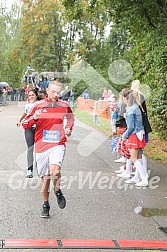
[71, 98]
[110, 95]
[86, 95]
[1, 95]
[22, 93]
[136, 137]
[27, 91]
[17, 95]
[4, 95]
[8, 93]
[105, 95]
[95, 114]
[114, 114]
[45, 83]
[142, 105]
[12, 91]
[65, 94]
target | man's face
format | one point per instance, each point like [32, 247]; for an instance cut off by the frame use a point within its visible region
[53, 92]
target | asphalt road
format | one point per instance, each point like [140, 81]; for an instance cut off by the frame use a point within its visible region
[98, 204]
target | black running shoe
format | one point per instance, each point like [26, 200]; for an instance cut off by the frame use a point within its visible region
[61, 201]
[45, 211]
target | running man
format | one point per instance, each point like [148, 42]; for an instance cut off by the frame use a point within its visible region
[50, 141]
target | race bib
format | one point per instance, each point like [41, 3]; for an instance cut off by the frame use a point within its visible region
[51, 136]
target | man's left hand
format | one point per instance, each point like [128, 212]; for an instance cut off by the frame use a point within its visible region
[67, 132]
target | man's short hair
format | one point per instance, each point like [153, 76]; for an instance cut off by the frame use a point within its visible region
[55, 82]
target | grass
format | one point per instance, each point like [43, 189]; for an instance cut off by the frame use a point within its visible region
[104, 125]
[156, 148]
[149, 212]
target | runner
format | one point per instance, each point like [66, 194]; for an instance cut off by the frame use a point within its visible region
[50, 141]
[29, 133]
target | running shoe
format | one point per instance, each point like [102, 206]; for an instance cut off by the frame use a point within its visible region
[45, 211]
[29, 174]
[61, 201]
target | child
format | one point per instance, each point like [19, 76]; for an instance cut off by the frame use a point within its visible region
[114, 114]
[95, 114]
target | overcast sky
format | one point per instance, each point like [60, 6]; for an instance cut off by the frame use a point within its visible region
[8, 3]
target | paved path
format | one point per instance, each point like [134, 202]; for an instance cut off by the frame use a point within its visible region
[98, 205]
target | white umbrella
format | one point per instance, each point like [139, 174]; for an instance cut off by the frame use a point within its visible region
[4, 84]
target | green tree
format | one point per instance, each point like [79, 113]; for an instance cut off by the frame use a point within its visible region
[43, 38]
[143, 44]
[10, 54]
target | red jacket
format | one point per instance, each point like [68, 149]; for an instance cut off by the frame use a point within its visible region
[49, 130]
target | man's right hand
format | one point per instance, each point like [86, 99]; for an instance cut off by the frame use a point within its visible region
[37, 114]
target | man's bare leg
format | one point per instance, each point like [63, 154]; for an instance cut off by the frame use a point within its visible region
[45, 185]
[56, 177]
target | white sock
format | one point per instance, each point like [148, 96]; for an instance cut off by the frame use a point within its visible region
[141, 160]
[144, 169]
[137, 175]
[140, 169]
[128, 166]
[144, 159]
